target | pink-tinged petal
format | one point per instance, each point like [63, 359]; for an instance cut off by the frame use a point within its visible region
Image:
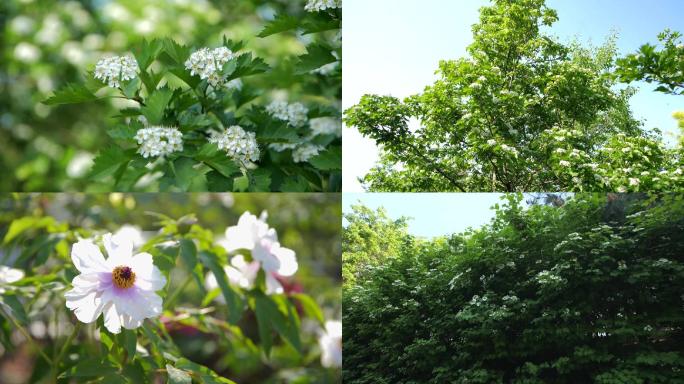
[119, 249]
[273, 286]
[87, 306]
[262, 253]
[112, 321]
[288, 260]
[87, 257]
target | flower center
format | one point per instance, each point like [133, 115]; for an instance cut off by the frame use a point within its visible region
[123, 276]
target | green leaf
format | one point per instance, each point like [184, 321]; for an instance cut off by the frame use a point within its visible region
[282, 22]
[218, 160]
[90, 367]
[295, 183]
[178, 52]
[233, 300]
[186, 172]
[245, 65]
[317, 56]
[260, 180]
[17, 309]
[218, 183]
[320, 22]
[188, 253]
[108, 162]
[130, 88]
[130, 340]
[241, 183]
[122, 132]
[328, 160]
[71, 94]
[204, 374]
[155, 105]
[146, 52]
[177, 376]
[19, 226]
[310, 307]
[270, 317]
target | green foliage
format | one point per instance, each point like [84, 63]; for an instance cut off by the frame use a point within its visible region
[501, 118]
[588, 290]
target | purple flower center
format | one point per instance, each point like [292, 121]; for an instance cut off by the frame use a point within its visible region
[123, 277]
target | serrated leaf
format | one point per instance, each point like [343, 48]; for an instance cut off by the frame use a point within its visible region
[330, 159]
[108, 162]
[218, 161]
[146, 52]
[156, 104]
[240, 184]
[185, 172]
[122, 132]
[260, 180]
[317, 55]
[320, 22]
[178, 52]
[282, 22]
[71, 94]
[245, 65]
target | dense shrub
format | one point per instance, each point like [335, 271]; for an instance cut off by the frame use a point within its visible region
[590, 291]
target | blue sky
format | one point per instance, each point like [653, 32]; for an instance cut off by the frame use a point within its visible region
[433, 214]
[393, 47]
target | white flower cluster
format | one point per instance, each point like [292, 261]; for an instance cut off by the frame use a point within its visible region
[159, 141]
[294, 114]
[322, 5]
[325, 126]
[546, 277]
[238, 143]
[114, 70]
[304, 152]
[207, 63]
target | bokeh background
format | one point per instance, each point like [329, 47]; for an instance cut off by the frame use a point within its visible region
[45, 44]
[307, 223]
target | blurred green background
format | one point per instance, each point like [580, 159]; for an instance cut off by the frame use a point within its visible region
[310, 224]
[47, 43]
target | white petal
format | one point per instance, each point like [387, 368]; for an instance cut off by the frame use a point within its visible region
[142, 265]
[119, 249]
[262, 253]
[111, 318]
[87, 257]
[86, 306]
[10, 275]
[273, 286]
[130, 322]
[288, 260]
[153, 282]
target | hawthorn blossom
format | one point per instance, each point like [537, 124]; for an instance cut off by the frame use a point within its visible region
[325, 126]
[322, 5]
[634, 181]
[208, 64]
[330, 342]
[305, 152]
[114, 70]
[564, 163]
[122, 287]
[295, 114]
[254, 234]
[159, 141]
[240, 145]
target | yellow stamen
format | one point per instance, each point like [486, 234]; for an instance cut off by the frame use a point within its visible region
[123, 276]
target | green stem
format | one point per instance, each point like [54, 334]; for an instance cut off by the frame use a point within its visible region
[65, 348]
[174, 295]
[27, 336]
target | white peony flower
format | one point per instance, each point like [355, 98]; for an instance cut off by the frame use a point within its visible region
[304, 152]
[122, 287]
[8, 276]
[295, 114]
[114, 70]
[208, 64]
[159, 141]
[330, 342]
[322, 5]
[240, 145]
[253, 234]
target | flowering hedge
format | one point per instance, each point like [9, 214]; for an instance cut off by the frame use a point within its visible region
[586, 291]
[178, 302]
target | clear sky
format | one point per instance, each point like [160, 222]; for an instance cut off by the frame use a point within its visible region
[432, 214]
[392, 47]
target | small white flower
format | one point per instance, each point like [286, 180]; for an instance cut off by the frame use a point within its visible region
[122, 287]
[622, 189]
[253, 234]
[114, 70]
[322, 5]
[8, 276]
[564, 163]
[159, 141]
[304, 152]
[26, 52]
[295, 114]
[240, 145]
[279, 147]
[208, 64]
[330, 342]
[633, 181]
[491, 142]
[560, 150]
[326, 126]
[467, 116]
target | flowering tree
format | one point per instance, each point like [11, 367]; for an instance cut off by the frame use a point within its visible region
[522, 112]
[585, 291]
[93, 304]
